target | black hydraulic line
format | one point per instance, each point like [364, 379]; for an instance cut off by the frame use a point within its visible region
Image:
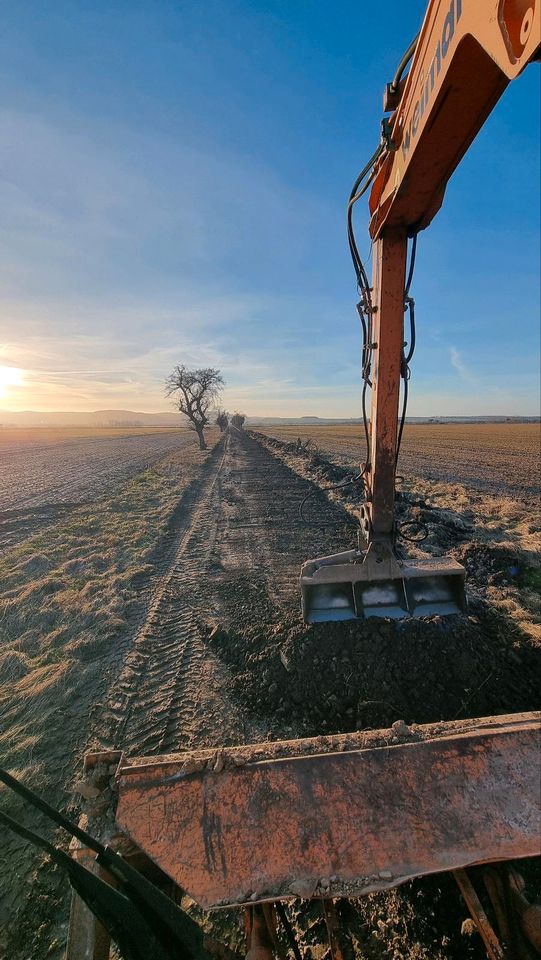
[169, 923]
[410, 302]
[366, 349]
[412, 523]
[355, 195]
[411, 264]
[281, 911]
[338, 486]
[364, 307]
[363, 284]
[365, 420]
[362, 318]
[402, 417]
[366, 169]
[404, 62]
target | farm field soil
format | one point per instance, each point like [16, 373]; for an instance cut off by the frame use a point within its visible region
[500, 458]
[69, 599]
[36, 435]
[44, 473]
[213, 652]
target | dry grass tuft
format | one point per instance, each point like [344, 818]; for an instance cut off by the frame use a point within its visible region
[13, 666]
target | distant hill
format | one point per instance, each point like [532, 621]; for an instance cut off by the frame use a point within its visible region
[91, 418]
[303, 421]
[170, 418]
[255, 421]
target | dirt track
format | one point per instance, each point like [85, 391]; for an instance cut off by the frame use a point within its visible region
[222, 658]
[235, 563]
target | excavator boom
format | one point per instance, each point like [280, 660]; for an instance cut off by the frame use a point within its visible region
[465, 55]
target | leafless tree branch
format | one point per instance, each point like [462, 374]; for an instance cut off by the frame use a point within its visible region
[195, 393]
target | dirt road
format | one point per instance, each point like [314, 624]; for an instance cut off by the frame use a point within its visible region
[236, 564]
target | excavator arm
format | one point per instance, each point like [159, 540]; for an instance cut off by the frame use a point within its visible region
[465, 55]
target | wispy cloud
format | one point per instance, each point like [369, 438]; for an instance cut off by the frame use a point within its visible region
[81, 372]
[124, 254]
[463, 370]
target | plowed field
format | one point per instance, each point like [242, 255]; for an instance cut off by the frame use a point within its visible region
[44, 474]
[500, 458]
[207, 648]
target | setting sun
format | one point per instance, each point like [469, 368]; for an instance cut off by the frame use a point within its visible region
[10, 377]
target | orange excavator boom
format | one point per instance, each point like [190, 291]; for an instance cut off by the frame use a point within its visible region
[465, 55]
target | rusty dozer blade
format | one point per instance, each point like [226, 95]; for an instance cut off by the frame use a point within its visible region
[355, 584]
[337, 816]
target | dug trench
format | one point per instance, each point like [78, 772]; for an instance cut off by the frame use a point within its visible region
[222, 657]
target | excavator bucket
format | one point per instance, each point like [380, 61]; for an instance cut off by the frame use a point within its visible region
[336, 816]
[353, 585]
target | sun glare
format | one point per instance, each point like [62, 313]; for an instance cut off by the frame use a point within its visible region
[10, 377]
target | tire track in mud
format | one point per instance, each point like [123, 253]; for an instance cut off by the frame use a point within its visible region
[236, 559]
[152, 695]
[264, 535]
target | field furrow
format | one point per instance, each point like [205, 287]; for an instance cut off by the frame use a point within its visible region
[498, 458]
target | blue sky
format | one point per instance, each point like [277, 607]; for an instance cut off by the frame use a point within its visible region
[173, 190]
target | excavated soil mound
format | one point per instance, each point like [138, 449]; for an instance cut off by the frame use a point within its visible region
[367, 674]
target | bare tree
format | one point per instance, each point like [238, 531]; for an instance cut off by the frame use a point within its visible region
[238, 420]
[222, 420]
[195, 392]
